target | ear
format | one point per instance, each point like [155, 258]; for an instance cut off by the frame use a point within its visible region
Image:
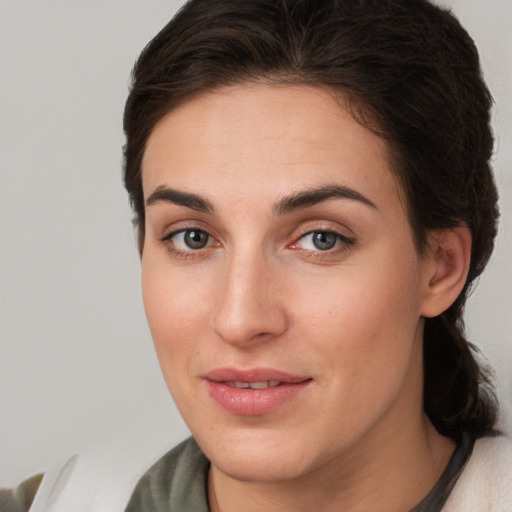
[446, 268]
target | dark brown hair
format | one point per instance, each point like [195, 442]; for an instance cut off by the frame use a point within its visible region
[411, 73]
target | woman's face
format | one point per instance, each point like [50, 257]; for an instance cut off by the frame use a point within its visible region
[281, 281]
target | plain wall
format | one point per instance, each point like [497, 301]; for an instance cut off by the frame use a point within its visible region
[76, 357]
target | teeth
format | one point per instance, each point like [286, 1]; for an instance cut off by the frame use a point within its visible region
[258, 385]
[253, 385]
[241, 385]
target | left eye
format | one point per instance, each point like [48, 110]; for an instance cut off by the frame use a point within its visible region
[190, 239]
[321, 240]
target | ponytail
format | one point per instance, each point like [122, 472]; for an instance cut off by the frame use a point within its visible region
[459, 395]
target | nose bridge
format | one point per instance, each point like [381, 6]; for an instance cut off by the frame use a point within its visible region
[247, 303]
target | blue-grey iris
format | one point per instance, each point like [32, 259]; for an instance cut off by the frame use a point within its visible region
[195, 239]
[324, 241]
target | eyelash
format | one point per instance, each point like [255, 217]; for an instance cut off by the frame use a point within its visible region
[184, 253]
[342, 243]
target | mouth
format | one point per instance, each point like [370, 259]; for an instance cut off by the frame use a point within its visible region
[254, 392]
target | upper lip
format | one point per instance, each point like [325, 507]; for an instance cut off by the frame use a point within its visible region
[252, 375]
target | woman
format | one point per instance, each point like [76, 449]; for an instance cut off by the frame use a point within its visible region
[314, 200]
[313, 195]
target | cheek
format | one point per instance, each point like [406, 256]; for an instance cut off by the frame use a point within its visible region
[363, 323]
[176, 311]
[357, 303]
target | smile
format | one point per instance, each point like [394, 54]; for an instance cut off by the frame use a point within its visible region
[254, 392]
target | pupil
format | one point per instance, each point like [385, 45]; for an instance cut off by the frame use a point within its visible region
[196, 239]
[324, 241]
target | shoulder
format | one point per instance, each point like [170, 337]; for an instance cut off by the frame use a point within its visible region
[484, 485]
[177, 481]
[21, 498]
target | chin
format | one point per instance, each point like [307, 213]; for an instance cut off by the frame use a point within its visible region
[260, 467]
[258, 455]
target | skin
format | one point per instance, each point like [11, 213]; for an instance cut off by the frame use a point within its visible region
[261, 294]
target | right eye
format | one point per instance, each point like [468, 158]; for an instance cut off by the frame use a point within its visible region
[187, 240]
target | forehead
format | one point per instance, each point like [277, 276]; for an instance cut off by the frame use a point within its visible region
[255, 135]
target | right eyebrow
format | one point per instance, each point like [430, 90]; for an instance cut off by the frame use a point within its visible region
[170, 195]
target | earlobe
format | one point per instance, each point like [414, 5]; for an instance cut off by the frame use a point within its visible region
[447, 268]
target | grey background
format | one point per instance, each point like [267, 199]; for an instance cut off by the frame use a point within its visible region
[76, 358]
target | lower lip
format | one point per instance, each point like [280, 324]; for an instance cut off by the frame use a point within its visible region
[254, 402]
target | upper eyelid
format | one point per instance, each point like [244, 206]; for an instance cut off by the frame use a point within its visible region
[179, 226]
[326, 226]
[175, 232]
[323, 230]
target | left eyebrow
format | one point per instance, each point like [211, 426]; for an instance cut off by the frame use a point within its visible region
[310, 197]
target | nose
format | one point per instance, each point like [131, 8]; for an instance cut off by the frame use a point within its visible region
[249, 306]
